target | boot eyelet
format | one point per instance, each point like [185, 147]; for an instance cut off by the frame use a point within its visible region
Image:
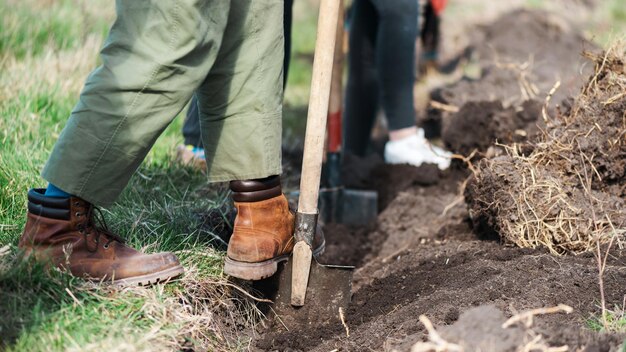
[105, 246]
[76, 204]
[78, 214]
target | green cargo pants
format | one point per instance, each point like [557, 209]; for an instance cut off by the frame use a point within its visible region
[158, 52]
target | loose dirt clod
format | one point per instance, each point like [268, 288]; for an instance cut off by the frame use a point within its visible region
[521, 56]
[567, 190]
[484, 329]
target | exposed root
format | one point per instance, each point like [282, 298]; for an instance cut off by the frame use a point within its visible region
[343, 322]
[516, 331]
[527, 317]
[444, 107]
[436, 343]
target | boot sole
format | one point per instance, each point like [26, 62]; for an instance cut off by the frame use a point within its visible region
[143, 280]
[151, 279]
[260, 270]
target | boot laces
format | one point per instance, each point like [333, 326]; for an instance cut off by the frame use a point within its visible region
[95, 223]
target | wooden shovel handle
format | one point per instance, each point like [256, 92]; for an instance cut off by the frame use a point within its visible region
[318, 106]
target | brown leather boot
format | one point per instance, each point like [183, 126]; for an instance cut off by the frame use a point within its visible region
[263, 232]
[63, 232]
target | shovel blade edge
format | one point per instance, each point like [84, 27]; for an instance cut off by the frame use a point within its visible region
[329, 291]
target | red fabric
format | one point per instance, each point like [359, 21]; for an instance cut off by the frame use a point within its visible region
[438, 6]
[334, 132]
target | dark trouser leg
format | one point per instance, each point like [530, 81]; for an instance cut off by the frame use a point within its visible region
[395, 59]
[288, 19]
[362, 87]
[430, 33]
[191, 127]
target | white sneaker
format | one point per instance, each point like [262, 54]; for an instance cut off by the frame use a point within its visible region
[416, 150]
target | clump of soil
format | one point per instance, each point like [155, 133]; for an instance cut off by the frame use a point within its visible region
[480, 123]
[569, 191]
[521, 56]
[478, 329]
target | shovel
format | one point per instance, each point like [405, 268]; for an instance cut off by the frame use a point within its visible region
[325, 277]
[325, 288]
[338, 204]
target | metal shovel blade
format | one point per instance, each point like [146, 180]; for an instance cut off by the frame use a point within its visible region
[348, 206]
[327, 296]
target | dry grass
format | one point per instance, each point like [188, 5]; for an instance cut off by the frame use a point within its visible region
[62, 70]
[564, 195]
[197, 312]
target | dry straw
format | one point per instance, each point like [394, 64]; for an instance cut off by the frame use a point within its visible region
[567, 193]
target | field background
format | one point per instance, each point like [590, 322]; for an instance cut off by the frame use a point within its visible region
[47, 48]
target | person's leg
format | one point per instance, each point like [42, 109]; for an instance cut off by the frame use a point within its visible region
[429, 38]
[362, 87]
[241, 118]
[395, 60]
[192, 152]
[156, 54]
[395, 63]
[191, 126]
[287, 23]
[240, 100]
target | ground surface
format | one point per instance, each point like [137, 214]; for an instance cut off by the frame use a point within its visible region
[436, 265]
[420, 257]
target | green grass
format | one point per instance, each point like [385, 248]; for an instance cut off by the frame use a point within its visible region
[57, 25]
[615, 321]
[166, 207]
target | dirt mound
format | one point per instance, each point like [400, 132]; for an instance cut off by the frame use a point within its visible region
[521, 56]
[568, 192]
[435, 265]
[478, 329]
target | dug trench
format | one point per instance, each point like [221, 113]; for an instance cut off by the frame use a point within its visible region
[423, 256]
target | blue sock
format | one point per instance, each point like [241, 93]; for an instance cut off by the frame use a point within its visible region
[54, 192]
[198, 152]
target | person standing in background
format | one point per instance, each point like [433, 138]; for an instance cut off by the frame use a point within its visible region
[381, 61]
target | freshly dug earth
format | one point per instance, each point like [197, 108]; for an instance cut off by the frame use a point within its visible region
[521, 56]
[568, 190]
[432, 263]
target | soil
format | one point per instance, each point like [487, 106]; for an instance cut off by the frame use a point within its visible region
[479, 124]
[425, 256]
[436, 265]
[372, 173]
[520, 58]
[568, 191]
